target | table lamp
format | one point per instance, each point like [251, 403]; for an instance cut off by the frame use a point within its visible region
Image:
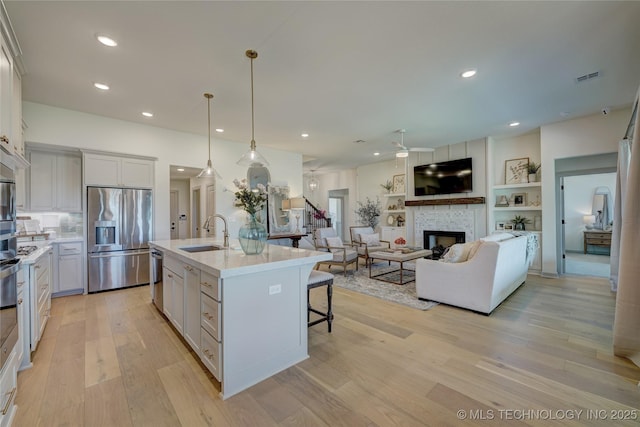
[588, 221]
[297, 205]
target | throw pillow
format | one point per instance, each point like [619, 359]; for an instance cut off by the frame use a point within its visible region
[474, 246]
[335, 242]
[456, 253]
[370, 239]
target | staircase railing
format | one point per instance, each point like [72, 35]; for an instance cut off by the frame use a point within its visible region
[315, 218]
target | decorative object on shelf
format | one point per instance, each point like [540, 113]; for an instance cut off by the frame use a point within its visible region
[209, 171]
[515, 171]
[313, 182]
[508, 227]
[400, 220]
[536, 202]
[519, 199]
[400, 241]
[391, 220]
[400, 204]
[533, 169]
[253, 234]
[398, 184]
[502, 201]
[519, 222]
[500, 225]
[252, 156]
[387, 186]
[369, 212]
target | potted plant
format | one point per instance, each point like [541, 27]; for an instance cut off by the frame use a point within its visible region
[369, 212]
[533, 169]
[519, 222]
[387, 186]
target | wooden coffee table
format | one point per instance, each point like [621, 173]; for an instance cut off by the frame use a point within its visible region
[399, 257]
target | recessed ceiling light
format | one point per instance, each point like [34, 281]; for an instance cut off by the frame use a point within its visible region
[106, 40]
[101, 86]
[147, 114]
[376, 154]
[180, 169]
[514, 124]
[305, 135]
[219, 130]
[468, 73]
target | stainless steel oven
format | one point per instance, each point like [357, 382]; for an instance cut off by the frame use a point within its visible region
[8, 309]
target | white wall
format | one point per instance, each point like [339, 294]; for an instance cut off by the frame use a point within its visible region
[578, 199]
[57, 126]
[370, 177]
[590, 135]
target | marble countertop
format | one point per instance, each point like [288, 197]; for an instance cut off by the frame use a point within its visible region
[232, 261]
[33, 256]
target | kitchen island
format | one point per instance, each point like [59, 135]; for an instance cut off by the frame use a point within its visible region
[244, 315]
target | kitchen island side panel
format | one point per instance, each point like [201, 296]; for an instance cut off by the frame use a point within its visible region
[264, 325]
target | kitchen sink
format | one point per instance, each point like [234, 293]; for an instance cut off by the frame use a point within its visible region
[205, 248]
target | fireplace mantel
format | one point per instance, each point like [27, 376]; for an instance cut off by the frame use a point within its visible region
[452, 201]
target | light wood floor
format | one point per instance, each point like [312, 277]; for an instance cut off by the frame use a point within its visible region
[111, 360]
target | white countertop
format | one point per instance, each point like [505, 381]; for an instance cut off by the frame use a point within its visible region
[33, 256]
[232, 261]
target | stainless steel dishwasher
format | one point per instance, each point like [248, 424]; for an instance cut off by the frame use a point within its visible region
[156, 271]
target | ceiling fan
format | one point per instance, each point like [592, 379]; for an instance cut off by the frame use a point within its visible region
[403, 151]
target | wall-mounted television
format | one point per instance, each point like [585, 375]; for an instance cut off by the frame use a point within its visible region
[453, 176]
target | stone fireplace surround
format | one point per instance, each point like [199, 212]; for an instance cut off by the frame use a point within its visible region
[462, 220]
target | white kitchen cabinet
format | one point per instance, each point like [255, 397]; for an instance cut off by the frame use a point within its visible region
[118, 171]
[192, 307]
[8, 390]
[6, 101]
[40, 296]
[17, 137]
[390, 234]
[55, 182]
[173, 293]
[22, 345]
[68, 260]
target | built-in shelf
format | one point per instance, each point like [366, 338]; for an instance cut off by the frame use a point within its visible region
[394, 211]
[394, 195]
[518, 208]
[452, 201]
[510, 186]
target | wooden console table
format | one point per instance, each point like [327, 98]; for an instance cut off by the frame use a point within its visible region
[597, 238]
[295, 238]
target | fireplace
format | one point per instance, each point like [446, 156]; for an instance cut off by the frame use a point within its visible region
[438, 241]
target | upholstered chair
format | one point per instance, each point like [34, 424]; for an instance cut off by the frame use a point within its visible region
[367, 241]
[326, 239]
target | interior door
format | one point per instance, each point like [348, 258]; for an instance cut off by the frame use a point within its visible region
[195, 212]
[211, 208]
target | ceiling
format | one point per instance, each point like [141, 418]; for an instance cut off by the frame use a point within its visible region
[339, 71]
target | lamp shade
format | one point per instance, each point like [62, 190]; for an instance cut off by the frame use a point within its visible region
[297, 203]
[286, 205]
[589, 219]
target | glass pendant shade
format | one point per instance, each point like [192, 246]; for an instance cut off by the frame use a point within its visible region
[252, 157]
[313, 183]
[209, 171]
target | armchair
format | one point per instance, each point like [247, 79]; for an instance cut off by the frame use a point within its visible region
[327, 240]
[367, 245]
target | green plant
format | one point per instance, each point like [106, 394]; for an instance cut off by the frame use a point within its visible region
[369, 212]
[521, 220]
[533, 167]
[250, 200]
[387, 185]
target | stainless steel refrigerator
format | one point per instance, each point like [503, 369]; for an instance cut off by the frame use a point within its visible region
[119, 222]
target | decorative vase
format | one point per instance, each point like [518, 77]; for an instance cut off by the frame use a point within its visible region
[518, 226]
[252, 236]
[532, 177]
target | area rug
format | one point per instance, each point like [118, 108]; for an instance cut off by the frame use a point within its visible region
[400, 294]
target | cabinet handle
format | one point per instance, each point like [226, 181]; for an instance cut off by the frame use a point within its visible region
[6, 405]
[188, 268]
[36, 267]
[208, 354]
[207, 284]
[169, 275]
[20, 301]
[207, 315]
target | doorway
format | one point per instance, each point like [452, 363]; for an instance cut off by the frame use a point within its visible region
[338, 200]
[173, 214]
[195, 213]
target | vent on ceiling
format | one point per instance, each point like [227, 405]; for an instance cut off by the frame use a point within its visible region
[589, 76]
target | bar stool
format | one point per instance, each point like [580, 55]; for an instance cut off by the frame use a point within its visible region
[317, 279]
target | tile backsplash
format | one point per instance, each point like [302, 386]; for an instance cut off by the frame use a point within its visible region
[64, 224]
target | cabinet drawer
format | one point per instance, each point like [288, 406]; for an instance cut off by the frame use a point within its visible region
[606, 236]
[210, 285]
[70, 248]
[210, 316]
[592, 241]
[210, 353]
[174, 265]
[8, 383]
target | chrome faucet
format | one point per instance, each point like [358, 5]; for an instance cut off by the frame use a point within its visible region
[225, 233]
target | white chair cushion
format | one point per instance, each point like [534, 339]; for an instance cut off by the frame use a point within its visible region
[335, 242]
[319, 276]
[339, 256]
[370, 239]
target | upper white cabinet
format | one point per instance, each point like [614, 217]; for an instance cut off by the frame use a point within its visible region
[117, 171]
[55, 182]
[6, 101]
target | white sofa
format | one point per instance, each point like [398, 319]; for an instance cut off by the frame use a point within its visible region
[481, 283]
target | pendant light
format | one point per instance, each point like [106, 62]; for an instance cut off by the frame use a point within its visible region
[313, 182]
[252, 157]
[209, 171]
